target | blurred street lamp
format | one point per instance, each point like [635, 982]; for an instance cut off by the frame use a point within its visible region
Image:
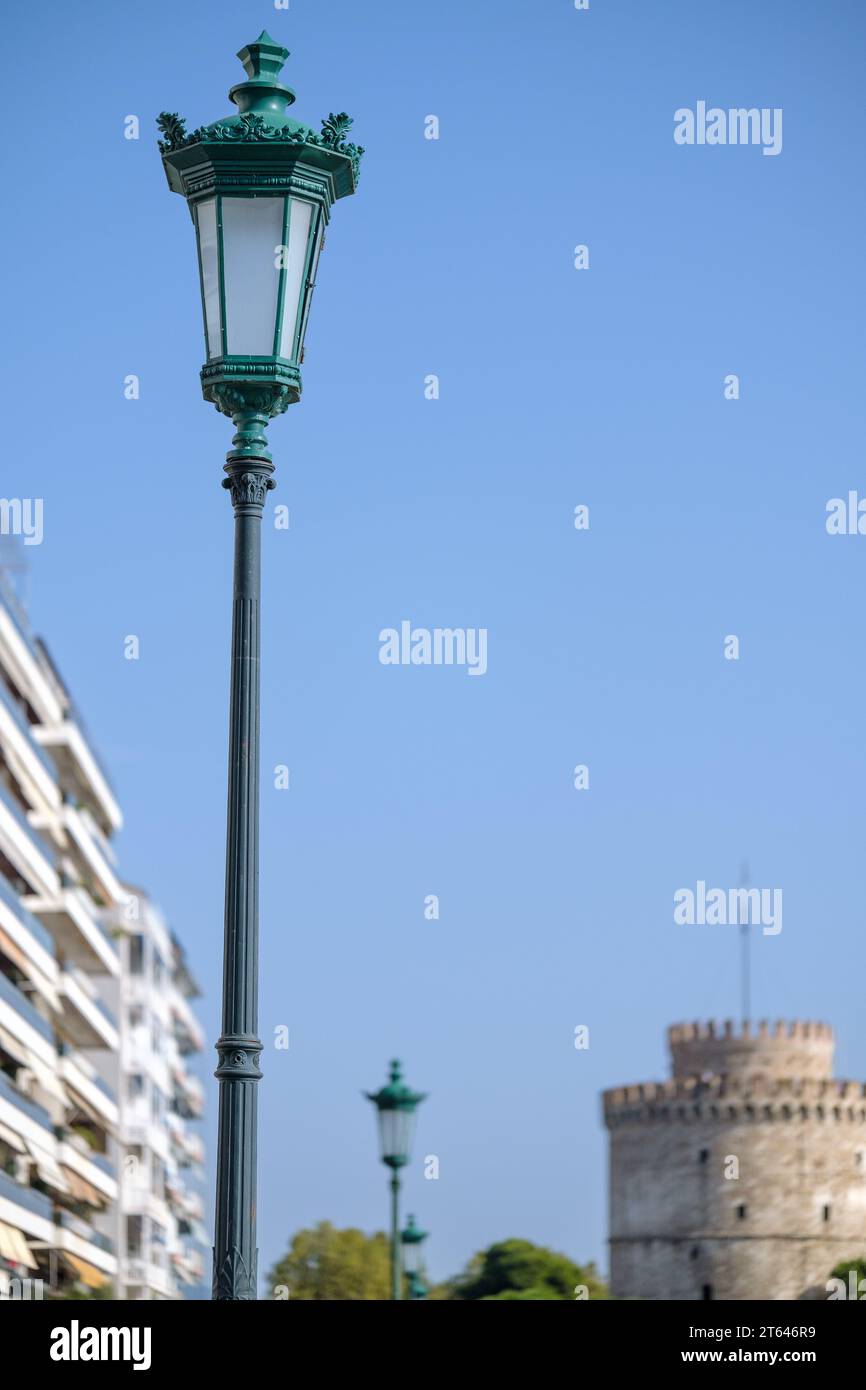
[395, 1107]
[411, 1238]
[259, 186]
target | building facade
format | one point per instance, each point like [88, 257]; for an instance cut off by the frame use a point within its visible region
[159, 1232]
[744, 1175]
[65, 974]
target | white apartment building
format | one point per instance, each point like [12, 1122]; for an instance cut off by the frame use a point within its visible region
[67, 1152]
[159, 1233]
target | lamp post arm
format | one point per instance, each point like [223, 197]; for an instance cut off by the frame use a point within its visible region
[249, 470]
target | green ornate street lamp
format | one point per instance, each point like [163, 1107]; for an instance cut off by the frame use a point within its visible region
[411, 1239]
[395, 1107]
[259, 186]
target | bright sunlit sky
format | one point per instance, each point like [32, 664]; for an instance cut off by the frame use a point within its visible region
[605, 647]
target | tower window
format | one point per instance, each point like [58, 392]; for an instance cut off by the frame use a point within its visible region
[825, 1214]
[742, 1210]
[694, 1252]
[704, 1156]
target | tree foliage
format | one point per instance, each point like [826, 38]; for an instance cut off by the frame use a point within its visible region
[517, 1269]
[323, 1263]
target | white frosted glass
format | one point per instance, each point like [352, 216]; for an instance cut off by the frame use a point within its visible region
[299, 232]
[210, 289]
[252, 235]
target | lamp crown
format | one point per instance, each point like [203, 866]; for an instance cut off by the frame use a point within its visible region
[264, 58]
[396, 1072]
[262, 91]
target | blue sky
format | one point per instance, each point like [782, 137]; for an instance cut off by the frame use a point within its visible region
[558, 387]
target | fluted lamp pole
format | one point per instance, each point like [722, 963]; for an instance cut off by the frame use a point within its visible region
[259, 186]
[395, 1111]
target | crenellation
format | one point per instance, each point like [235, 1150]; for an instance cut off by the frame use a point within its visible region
[765, 1095]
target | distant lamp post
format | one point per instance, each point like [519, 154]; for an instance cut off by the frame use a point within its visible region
[259, 186]
[395, 1106]
[411, 1239]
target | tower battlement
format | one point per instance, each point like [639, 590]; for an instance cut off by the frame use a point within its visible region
[782, 1049]
[741, 1176]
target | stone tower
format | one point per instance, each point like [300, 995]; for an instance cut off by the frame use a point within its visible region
[744, 1176]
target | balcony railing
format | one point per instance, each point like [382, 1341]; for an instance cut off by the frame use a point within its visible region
[13, 996]
[15, 811]
[26, 1197]
[12, 900]
[28, 1107]
[64, 1050]
[80, 1228]
[10, 703]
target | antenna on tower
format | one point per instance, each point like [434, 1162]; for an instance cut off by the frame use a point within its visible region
[745, 975]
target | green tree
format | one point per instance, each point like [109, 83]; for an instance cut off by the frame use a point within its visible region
[517, 1269]
[323, 1263]
[843, 1270]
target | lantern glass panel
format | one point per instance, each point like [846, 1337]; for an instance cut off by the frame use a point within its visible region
[210, 281]
[252, 233]
[412, 1256]
[395, 1133]
[300, 214]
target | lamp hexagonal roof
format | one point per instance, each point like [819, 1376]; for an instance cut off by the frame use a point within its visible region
[260, 147]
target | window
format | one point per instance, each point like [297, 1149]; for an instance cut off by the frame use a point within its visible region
[136, 955]
[825, 1214]
[706, 1292]
[136, 1016]
[135, 1085]
[742, 1209]
[694, 1252]
[134, 1236]
[704, 1156]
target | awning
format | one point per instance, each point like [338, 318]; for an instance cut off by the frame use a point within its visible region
[82, 1190]
[87, 1273]
[85, 1106]
[12, 1139]
[14, 1247]
[47, 1168]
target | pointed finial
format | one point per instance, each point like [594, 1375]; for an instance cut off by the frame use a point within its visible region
[264, 58]
[263, 61]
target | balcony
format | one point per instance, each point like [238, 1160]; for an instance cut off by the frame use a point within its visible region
[189, 1094]
[24, 847]
[188, 1032]
[69, 1222]
[95, 1168]
[84, 846]
[23, 1012]
[84, 1020]
[76, 930]
[23, 1105]
[80, 771]
[19, 909]
[17, 735]
[89, 1247]
[25, 1208]
[146, 1274]
[82, 1081]
[21, 656]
